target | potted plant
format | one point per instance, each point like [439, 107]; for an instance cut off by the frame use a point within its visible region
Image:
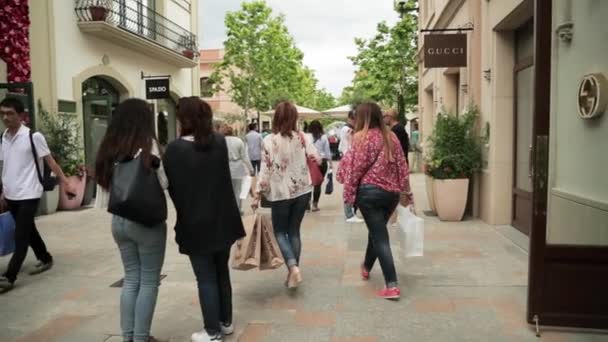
[454, 158]
[99, 10]
[186, 45]
[61, 132]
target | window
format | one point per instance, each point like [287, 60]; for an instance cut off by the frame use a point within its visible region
[138, 16]
[206, 87]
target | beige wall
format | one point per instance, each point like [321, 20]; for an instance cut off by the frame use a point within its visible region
[490, 48]
[221, 102]
[578, 198]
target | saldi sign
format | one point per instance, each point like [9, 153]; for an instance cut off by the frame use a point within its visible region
[445, 50]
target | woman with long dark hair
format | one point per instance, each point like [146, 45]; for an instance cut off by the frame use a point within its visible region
[374, 172]
[321, 142]
[285, 181]
[208, 218]
[142, 248]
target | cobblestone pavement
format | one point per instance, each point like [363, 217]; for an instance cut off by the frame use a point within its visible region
[469, 286]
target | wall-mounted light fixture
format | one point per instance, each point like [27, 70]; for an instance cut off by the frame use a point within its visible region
[487, 74]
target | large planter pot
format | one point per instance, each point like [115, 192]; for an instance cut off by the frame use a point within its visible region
[49, 202]
[98, 13]
[451, 198]
[188, 54]
[78, 183]
[430, 193]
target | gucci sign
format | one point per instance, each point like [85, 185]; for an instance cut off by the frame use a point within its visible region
[592, 96]
[445, 50]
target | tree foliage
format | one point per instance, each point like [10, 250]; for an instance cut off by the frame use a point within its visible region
[386, 67]
[262, 63]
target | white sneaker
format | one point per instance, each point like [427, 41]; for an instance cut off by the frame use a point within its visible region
[202, 336]
[227, 329]
[355, 219]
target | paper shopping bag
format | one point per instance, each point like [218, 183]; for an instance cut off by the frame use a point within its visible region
[410, 233]
[245, 187]
[246, 251]
[7, 234]
[271, 257]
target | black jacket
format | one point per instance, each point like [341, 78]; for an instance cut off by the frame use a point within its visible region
[208, 218]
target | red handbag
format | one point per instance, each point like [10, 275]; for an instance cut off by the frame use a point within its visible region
[316, 176]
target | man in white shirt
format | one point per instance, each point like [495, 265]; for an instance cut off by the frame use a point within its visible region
[254, 147]
[22, 188]
[346, 140]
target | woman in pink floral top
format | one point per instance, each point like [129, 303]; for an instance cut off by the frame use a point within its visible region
[374, 172]
[284, 180]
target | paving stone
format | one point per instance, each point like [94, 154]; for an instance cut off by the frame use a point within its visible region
[469, 286]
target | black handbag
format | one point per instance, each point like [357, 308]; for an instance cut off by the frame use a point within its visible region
[136, 193]
[329, 187]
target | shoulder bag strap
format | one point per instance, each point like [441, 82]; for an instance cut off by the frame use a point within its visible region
[35, 154]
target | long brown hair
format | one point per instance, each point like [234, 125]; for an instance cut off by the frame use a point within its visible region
[369, 116]
[131, 128]
[196, 118]
[285, 119]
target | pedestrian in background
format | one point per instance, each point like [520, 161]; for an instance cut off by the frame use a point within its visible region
[240, 165]
[208, 219]
[22, 153]
[285, 182]
[322, 145]
[254, 146]
[131, 135]
[346, 137]
[374, 172]
[391, 119]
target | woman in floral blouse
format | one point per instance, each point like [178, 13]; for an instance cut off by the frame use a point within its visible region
[374, 172]
[285, 181]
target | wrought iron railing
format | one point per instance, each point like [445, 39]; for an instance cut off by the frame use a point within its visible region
[134, 16]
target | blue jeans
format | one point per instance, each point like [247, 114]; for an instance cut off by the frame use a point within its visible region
[376, 206]
[287, 217]
[142, 250]
[214, 289]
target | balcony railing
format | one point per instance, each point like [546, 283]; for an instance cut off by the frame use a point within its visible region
[137, 18]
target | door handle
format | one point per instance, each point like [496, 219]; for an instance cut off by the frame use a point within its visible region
[530, 164]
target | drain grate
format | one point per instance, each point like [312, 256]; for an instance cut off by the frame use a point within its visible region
[120, 282]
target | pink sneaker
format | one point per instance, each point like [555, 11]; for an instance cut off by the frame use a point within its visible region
[364, 273]
[390, 293]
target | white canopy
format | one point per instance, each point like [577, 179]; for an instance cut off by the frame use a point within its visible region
[338, 112]
[303, 112]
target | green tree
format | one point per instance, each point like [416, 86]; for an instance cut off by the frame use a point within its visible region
[386, 65]
[261, 62]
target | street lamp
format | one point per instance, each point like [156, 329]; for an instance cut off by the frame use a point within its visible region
[401, 7]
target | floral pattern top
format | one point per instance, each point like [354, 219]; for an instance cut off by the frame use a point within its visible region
[367, 163]
[284, 171]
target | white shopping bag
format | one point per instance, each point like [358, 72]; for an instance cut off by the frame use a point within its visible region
[410, 232]
[245, 187]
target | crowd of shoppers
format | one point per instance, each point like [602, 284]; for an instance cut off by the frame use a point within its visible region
[202, 171]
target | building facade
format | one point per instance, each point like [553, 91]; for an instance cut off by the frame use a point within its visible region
[537, 72]
[221, 102]
[87, 56]
[498, 81]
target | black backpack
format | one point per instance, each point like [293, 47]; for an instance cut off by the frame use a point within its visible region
[47, 181]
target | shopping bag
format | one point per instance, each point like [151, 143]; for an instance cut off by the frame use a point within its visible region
[7, 234]
[271, 257]
[246, 251]
[329, 187]
[410, 233]
[245, 187]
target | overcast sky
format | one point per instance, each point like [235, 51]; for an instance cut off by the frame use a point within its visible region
[323, 29]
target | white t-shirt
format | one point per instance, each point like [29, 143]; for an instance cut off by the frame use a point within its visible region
[19, 176]
[345, 139]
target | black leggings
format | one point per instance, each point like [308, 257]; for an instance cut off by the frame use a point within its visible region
[318, 188]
